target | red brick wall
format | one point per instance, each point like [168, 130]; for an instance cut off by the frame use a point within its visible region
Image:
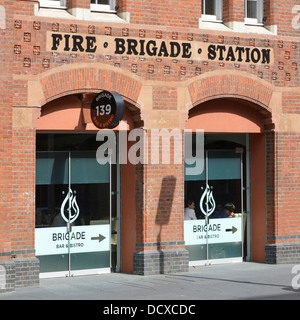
[291, 102]
[78, 3]
[159, 202]
[23, 190]
[164, 12]
[164, 98]
[280, 13]
[6, 202]
[17, 156]
[233, 10]
[283, 195]
[175, 14]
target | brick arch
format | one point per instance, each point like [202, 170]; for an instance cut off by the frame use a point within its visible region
[238, 85]
[83, 78]
[65, 81]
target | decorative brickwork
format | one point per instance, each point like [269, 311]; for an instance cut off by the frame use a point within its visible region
[230, 85]
[88, 79]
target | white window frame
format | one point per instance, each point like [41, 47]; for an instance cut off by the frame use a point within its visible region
[104, 7]
[61, 4]
[218, 16]
[259, 14]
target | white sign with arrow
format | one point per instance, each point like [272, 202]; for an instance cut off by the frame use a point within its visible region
[217, 231]
[91, 238]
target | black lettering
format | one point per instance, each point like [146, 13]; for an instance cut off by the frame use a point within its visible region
[120, 46]
[240, 50]
[77, 41]
[257, 58]
[230, 54]
[54, 237]
[78, 235]
[153, 50]
[67, 37]
[163, 50]
[56, 38]
[211, 52]
[221, 50]
[90, 42]
[175, 49]
[132, 43]
[247, 55]
[186, 50]
[265, 55]
[142, 50]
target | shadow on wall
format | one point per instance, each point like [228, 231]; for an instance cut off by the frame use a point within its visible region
[163, 214]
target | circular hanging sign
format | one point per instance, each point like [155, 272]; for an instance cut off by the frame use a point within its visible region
[107, 109]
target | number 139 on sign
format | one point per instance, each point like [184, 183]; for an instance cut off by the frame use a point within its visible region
[103, 109]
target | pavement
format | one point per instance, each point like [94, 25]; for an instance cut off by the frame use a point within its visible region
[235, 281]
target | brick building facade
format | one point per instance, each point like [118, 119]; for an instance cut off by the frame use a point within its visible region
[230, 69]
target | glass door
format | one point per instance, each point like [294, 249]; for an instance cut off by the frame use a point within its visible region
[73, 213]
[221, 203]
[218, 200]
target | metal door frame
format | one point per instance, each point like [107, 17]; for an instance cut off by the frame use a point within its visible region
[69, 272]
[208, 261]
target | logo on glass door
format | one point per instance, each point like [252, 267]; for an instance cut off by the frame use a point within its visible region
[70, 206]
[207, 198]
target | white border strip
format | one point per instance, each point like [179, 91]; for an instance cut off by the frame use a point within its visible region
[215, 261]
[64, 274]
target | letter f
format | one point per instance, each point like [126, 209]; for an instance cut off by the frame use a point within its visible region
[56, 38]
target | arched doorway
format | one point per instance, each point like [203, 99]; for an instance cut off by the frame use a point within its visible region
[234, 172]
[80, 202]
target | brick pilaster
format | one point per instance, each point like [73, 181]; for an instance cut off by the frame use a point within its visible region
[160, 205]
[84, 4]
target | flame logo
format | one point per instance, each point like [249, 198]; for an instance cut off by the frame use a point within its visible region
[210, 202]
[69, 205]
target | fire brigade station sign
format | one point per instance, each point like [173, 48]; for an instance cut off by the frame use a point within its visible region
[157, 48]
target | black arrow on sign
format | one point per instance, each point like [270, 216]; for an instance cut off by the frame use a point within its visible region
[100, 237]
[233, 229]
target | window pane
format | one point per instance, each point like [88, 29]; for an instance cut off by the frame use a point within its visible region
[100, 2]
[208, 7]
[52, 3]
[252, 9]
